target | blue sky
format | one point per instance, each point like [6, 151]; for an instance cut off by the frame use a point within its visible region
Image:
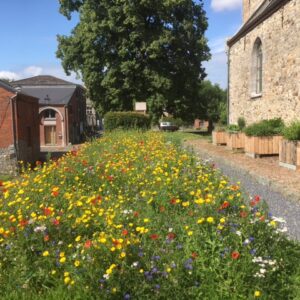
[28, 31]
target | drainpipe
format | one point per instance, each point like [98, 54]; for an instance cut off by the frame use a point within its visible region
[14, 123]
[228, 82]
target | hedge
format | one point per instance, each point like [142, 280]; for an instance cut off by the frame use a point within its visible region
[265, 128]
[126, 120]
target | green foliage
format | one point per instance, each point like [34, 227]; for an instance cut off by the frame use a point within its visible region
[126, 120]
[211, 103]
[265, 128]
[241, 123]
[292, 132]
[174, 121]
[233, 128]
[128, 51]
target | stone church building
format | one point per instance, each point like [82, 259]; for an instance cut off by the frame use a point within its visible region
[264, 62]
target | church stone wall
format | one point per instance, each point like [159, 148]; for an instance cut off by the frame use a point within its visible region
[281, 69]
[249, 7]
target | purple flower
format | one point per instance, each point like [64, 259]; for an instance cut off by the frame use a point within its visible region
[127, 296]
[157, 286]
[252, 251]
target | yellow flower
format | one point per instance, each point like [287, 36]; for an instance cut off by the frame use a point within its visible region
[123, 254]
[78, 238]
[210, 220]
[168, 270]
[53, 272]
[67, 280]
[76, 263]
[45, 253]
[185, 204]
[257, 294]
[190, 233]
[200, 221]
[222, 220]
[66, 274]
[62, 260]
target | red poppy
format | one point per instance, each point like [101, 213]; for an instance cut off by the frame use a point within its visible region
[23, 223]
[1, 183]
[225, 204]
[136, 213]
[243, 214]
[173, 201]
[195, 255]
[262, 218]
[47, 211]
[116, 242]
[110, 178]
[235, 255]
[46, 238]
[55, 193]
[38, 163]
[74, 153]
[55, 222]
[171, 235]
[124, 232]
[154, 236]
[88, 244]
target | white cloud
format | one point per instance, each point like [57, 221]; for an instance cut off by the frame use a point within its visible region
[9, 75]
[219, 5]
[31, 71]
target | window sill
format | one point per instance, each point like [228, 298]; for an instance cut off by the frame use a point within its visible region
[254, 95]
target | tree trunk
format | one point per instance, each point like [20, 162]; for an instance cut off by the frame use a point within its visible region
[210, 127]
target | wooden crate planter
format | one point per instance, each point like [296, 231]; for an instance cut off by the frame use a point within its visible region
[289, 154]
[219, 137]
[256, 146]
[236, 140]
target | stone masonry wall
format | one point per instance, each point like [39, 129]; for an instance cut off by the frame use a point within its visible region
[8, 161]
[249, 7]
[281, 69]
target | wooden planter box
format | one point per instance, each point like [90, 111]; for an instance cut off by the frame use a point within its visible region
[219, 137]
[289, 154]
[256, 146]
[236, 140]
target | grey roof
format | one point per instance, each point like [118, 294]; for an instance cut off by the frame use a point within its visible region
[264, 11]
[57, 95]
[42, 80]
[7, 86]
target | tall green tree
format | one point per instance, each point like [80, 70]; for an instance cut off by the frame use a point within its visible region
[211, 103]
[137, 50]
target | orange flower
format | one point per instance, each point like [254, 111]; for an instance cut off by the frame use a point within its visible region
[154, 236]
[235, 255]
[88, 244]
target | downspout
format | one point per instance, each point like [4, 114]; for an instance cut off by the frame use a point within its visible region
[228, 82]
[13, 113]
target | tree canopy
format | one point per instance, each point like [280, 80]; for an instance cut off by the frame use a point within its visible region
[137, 50]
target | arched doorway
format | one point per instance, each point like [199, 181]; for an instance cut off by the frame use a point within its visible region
[51, 127]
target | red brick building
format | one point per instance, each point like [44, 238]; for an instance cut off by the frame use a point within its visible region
[19, 127]
[62, 109]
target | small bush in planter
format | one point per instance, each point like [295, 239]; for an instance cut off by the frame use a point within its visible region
[233, 128]
[241, 123]
[292, 132]
[265, 128]
[126, 120]
[220, 128]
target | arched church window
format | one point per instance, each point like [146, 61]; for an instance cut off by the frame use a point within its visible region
[257, 68]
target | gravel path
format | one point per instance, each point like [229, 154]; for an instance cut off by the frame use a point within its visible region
[278, 204]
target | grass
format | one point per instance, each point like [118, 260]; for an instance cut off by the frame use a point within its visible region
[133, 216]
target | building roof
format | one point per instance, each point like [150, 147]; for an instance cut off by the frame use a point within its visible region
[42, 80]
[51, 95]
[7, 86]
[264, 11]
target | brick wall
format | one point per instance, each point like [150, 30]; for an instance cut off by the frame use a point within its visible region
[281, 69]
[6, 131]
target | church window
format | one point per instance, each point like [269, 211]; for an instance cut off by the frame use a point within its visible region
[257, 68]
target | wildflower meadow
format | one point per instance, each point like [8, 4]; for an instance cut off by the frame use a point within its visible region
[133, 216]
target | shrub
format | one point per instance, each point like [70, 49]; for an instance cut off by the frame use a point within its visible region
[241, 123]
[174, 121]
[232, 128]
[292, 132]
[265, 128]
[220, 128]
[126, 120]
